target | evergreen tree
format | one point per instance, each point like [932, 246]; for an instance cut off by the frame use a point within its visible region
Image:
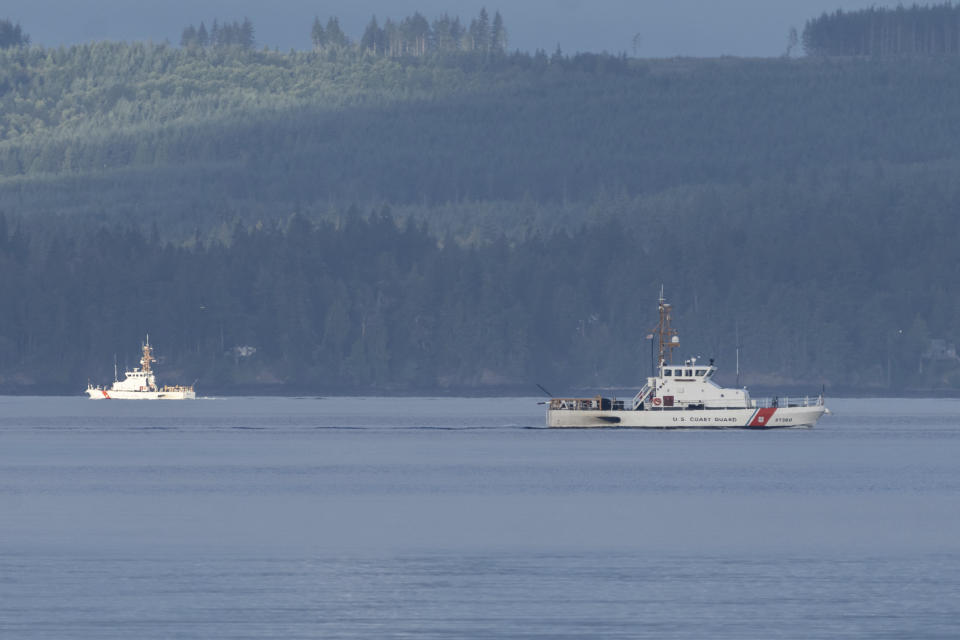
[482, 36]
[11, 35]
[443, 37]
[372, 37]
[246, 37]
[557, 56]
[189, 37]
[498, 34]
[457, 32]
[419, 35]
[317, 35]
[470, 40]
[393, 38]
[334, 34]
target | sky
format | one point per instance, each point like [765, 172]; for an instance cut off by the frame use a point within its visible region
[646, 28]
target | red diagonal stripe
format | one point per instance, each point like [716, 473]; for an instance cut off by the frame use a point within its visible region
[762, 419]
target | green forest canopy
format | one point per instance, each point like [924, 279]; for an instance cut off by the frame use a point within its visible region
[535, 205]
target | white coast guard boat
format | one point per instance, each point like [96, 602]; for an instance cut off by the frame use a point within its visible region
[140, 384]
[684, 396]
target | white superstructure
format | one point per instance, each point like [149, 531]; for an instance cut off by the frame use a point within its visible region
[684, 396]
[140, 384]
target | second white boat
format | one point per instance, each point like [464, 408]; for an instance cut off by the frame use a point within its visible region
[140, 384]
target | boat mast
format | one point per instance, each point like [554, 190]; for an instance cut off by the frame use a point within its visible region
[736, 328]
[668, 338]
[147, 356]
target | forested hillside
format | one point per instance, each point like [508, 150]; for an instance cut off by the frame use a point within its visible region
[221, 197]
[205, 136]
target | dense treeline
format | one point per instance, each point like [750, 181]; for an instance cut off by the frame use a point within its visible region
[228, 34]
[878, 31]
[415, 36]
[375, 304]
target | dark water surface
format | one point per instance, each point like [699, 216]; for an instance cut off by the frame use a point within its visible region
[461, 518]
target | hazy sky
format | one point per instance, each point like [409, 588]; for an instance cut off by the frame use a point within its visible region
[665, 27]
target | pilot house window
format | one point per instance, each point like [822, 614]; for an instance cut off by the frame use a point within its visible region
[700, 372]
[689, 373]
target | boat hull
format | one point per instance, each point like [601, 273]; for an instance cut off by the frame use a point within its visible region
[108, 394]
[765, 418]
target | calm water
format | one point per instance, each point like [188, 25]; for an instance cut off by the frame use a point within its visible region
[461, 518]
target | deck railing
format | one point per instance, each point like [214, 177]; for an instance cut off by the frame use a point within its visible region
[597, 403]
[778, 402]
